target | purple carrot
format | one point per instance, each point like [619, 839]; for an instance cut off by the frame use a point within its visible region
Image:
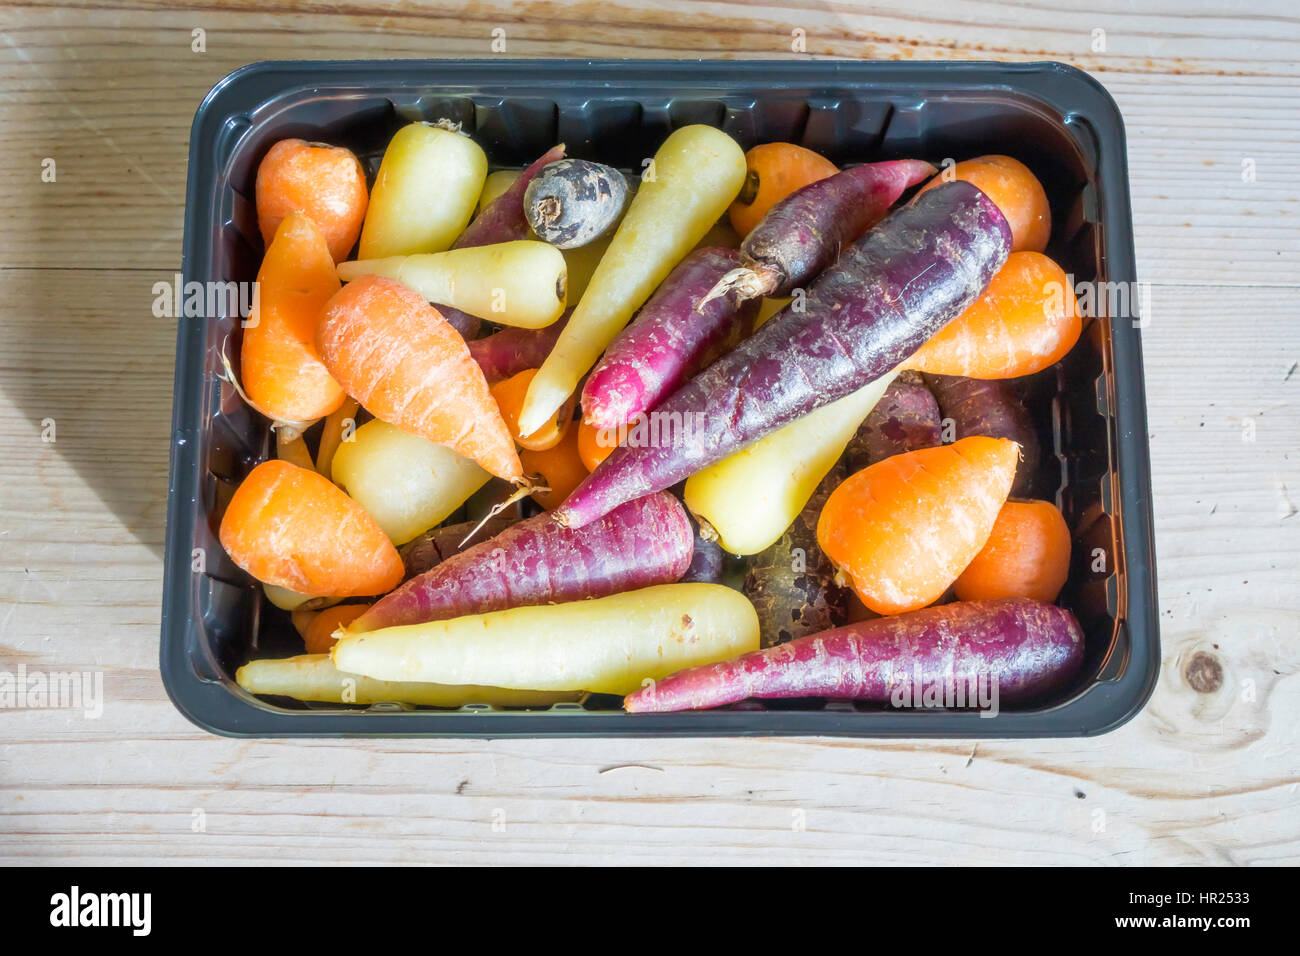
[992, 408]
[513, 350]
[888, 293]
[801, 235]
[645, 542]
[668, 341]
[1015, 648]
[503, 219]
[906, 418]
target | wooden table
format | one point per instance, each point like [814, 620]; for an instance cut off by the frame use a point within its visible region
[1207, 774]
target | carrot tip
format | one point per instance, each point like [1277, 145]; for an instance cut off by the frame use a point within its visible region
[228, 375]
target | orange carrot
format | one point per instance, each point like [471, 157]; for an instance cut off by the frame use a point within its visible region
[401, 359]
[1015, 190]
[775, 170]
[280, 371]
[1025, 321]
[340, 423]
[319, 636]
[291, 527]
[560, 468]
[1027, 555]
[902, 529]
[591, 448]
[326, 182]
[510, 396]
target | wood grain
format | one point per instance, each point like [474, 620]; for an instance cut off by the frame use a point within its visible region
[1209, 773]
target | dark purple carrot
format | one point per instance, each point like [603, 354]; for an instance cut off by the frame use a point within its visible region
[992, 408]
[993, 652]
[708, 563]
[801, 235]
[888, 293]
[514, 350]
[536, 561]
[906, 418]
[668, 341]
[436, 546]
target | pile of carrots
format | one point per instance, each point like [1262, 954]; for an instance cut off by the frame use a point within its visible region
[753, 426]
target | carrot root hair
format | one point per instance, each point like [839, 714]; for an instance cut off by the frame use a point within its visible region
[228, 375]
[526, 488]
[750, 282]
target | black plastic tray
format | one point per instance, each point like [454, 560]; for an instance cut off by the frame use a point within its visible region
[1056, 119]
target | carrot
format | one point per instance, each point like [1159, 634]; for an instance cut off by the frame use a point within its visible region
[696, 174]
[290, 447]
[906, 418]
[438, 544]
[595, 444]
[976, 654]
[977, 407]
[325, 183]
[559, 469]
[280, 370]
[1017, 192]
[396, 355]
[1026, 320]
[319, 637]
[803, 234]
[1027, 555]
[290, 527]
[902, 530]
[888, 293]
[673, 337]
[535, 561]
[302, 618]
[775, 170]
[509, 396]
[512, 350]
[607, 645]
[339, 426]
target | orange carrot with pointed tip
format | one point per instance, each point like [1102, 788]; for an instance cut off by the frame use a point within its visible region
[281, 373]
[1016, 191]
[404, 362]
[1025, 321]
[292, 528]
[903, 529]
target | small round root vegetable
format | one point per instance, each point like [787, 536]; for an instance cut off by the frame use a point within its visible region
[668, 341]
[319, 636]
[510, 351]
[803, 234]
[509, 396]
[902, 530]
[695, 175]
[536, 561]
[1027, 555]
[775, 170]
[792, 583]
[520, 283]
[405, 482]
[885, 296]
[430, 178]
[391, 350]
[281, 373]
[977, 653]
[993, 409]
[503, 219]
[292, 528]
[595, 444]
[906, 418]
[750, 498]
[437, 545]
[573, 201]
[314, 677]
[1025, 321]
[608, 645]
[326, 183]
[558, 469]
[1017, 192]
